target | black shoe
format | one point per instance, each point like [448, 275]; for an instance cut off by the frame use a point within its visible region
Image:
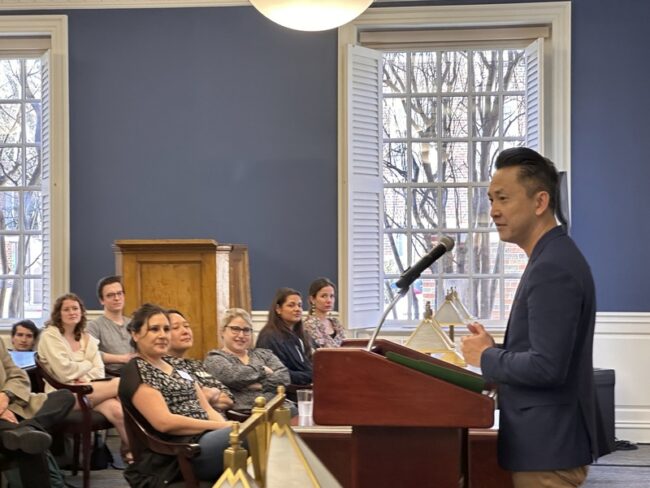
[26, 439]
[622, 445]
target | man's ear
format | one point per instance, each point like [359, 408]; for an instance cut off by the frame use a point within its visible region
[542, 200]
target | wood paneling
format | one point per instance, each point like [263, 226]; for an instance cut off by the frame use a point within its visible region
[183, 274]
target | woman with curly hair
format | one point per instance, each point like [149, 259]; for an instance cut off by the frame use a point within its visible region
[71, 355]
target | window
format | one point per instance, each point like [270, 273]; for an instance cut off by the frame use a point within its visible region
[33, 165]
[444, 107]
[446, 115]
[21, 182]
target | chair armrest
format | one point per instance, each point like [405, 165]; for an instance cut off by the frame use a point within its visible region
[140, 436]
[186, 449]
[238, 415]
[80, 390]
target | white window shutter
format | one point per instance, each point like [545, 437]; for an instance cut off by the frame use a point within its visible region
[534, 94]
[365, 299]
[45, 181]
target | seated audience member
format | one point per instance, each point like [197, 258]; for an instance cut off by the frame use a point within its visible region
[283, 334]
[71, 355]
[26, 419]
[24, 335]
[169, 398]
[181, 340]
[111, 328]
[248, 372]
[324, 330]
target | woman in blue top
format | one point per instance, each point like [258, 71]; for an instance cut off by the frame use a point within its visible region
[284, 335]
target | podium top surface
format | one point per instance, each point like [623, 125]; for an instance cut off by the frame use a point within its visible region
[166, 245]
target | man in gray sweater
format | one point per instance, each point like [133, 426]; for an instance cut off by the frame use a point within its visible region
[111, 328]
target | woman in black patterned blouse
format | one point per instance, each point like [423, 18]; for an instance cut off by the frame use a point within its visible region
[169, 398]
[181, 340]
[248, 372]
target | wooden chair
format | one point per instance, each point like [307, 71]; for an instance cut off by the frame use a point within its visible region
[238, 415]
[80, 423]
[142, 436]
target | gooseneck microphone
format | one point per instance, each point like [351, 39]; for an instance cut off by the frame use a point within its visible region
[444, 245]
[411, 274]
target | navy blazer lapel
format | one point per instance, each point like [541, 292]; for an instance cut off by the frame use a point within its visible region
[537, 250]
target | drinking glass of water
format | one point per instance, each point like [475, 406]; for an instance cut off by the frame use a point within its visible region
[305, 403]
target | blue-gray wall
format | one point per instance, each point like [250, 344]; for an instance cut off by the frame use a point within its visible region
[203, 123]
[217, 123]
[610, 108]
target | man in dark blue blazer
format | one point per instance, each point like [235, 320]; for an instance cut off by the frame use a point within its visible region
[544, 372]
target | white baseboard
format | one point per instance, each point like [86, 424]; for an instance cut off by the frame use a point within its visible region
[621, 343]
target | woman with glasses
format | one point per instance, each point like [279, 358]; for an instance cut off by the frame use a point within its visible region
[247, 372]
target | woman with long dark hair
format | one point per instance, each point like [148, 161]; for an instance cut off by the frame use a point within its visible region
[284, 335]
[169, 398]
[324, 330]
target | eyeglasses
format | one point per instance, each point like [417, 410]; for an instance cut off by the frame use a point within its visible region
[240, 330]
[117, 294]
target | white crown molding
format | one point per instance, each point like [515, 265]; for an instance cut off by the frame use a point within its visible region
[113, 4]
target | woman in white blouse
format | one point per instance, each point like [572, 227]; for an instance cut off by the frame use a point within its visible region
[71, 355]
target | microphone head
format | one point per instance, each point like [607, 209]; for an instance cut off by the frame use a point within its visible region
[448, 242]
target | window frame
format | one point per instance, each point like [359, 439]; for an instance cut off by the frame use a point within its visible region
[557, 83]
[54, 27]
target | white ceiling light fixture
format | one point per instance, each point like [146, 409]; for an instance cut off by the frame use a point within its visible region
[311, 15]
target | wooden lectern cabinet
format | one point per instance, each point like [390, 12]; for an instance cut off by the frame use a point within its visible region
[199, 277]
[408, 428]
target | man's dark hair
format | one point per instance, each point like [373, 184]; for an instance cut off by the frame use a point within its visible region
[107, 280]
[536, 172]
[27, 324]
[177, 312]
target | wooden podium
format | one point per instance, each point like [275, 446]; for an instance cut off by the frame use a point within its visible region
[408, 428]
[199, 277]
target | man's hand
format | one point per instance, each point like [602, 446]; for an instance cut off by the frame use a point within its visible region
[223, 402]
[4, 402]
[268, 370]
[216, 398]
[9, 416]
[472, 346]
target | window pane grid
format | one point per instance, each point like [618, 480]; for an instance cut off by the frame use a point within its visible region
[462, 130]
[21, 234]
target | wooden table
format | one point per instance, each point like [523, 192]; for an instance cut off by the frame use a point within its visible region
[332, 445]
